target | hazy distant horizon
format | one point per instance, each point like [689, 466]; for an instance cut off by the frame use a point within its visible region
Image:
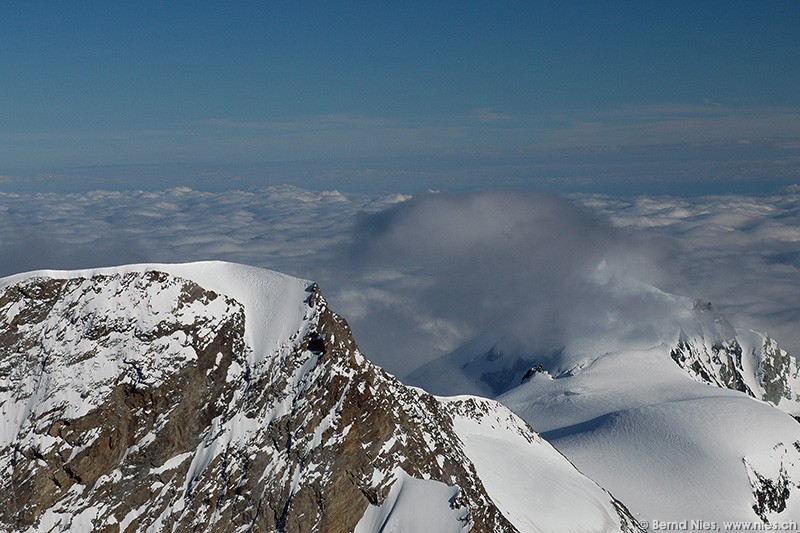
[655, 170]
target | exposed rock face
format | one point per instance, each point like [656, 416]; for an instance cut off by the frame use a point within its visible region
[105, 387]
[131, 401]
[775, 482]
[719, 364]
[713, 353]
[778, 374]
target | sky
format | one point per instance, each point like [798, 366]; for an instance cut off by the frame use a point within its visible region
[620, 96]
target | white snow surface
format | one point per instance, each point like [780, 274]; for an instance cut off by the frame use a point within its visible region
[415, 505]
[669, 447]
[534, 485]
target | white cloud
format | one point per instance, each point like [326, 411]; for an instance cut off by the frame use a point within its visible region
[417, 277]
[740, 252]
[269, 228]
[524, 262]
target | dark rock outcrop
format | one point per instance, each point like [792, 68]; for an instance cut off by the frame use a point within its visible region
[713, 353]
[133, 401]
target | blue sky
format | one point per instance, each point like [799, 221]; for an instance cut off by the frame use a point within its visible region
[615, 96]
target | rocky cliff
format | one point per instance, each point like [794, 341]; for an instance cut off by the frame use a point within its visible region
[215, 397]
[711, 351]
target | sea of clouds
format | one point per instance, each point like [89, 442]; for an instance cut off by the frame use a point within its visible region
[418, 277]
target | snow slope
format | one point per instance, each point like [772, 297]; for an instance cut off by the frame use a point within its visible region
[415, 505]
[535, 485]
[673, 426]
[671, 448]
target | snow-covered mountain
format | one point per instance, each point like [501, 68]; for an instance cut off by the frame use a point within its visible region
[672, 448]
[213, 396]
[711, 351]
[704, 344]
[683, 430]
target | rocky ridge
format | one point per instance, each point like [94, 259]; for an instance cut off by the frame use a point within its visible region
[132, 399]
[711, 351]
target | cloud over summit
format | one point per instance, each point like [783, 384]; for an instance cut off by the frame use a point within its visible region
[538, 265]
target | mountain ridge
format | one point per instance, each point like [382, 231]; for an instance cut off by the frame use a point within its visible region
[197, 410]
[708, 414]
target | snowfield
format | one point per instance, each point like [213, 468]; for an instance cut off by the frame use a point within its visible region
[674, 424]
[534, 484]
[415, 505]
[672, 449]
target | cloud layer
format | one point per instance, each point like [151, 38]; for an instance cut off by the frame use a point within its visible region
[740, 252]
[419, 277]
